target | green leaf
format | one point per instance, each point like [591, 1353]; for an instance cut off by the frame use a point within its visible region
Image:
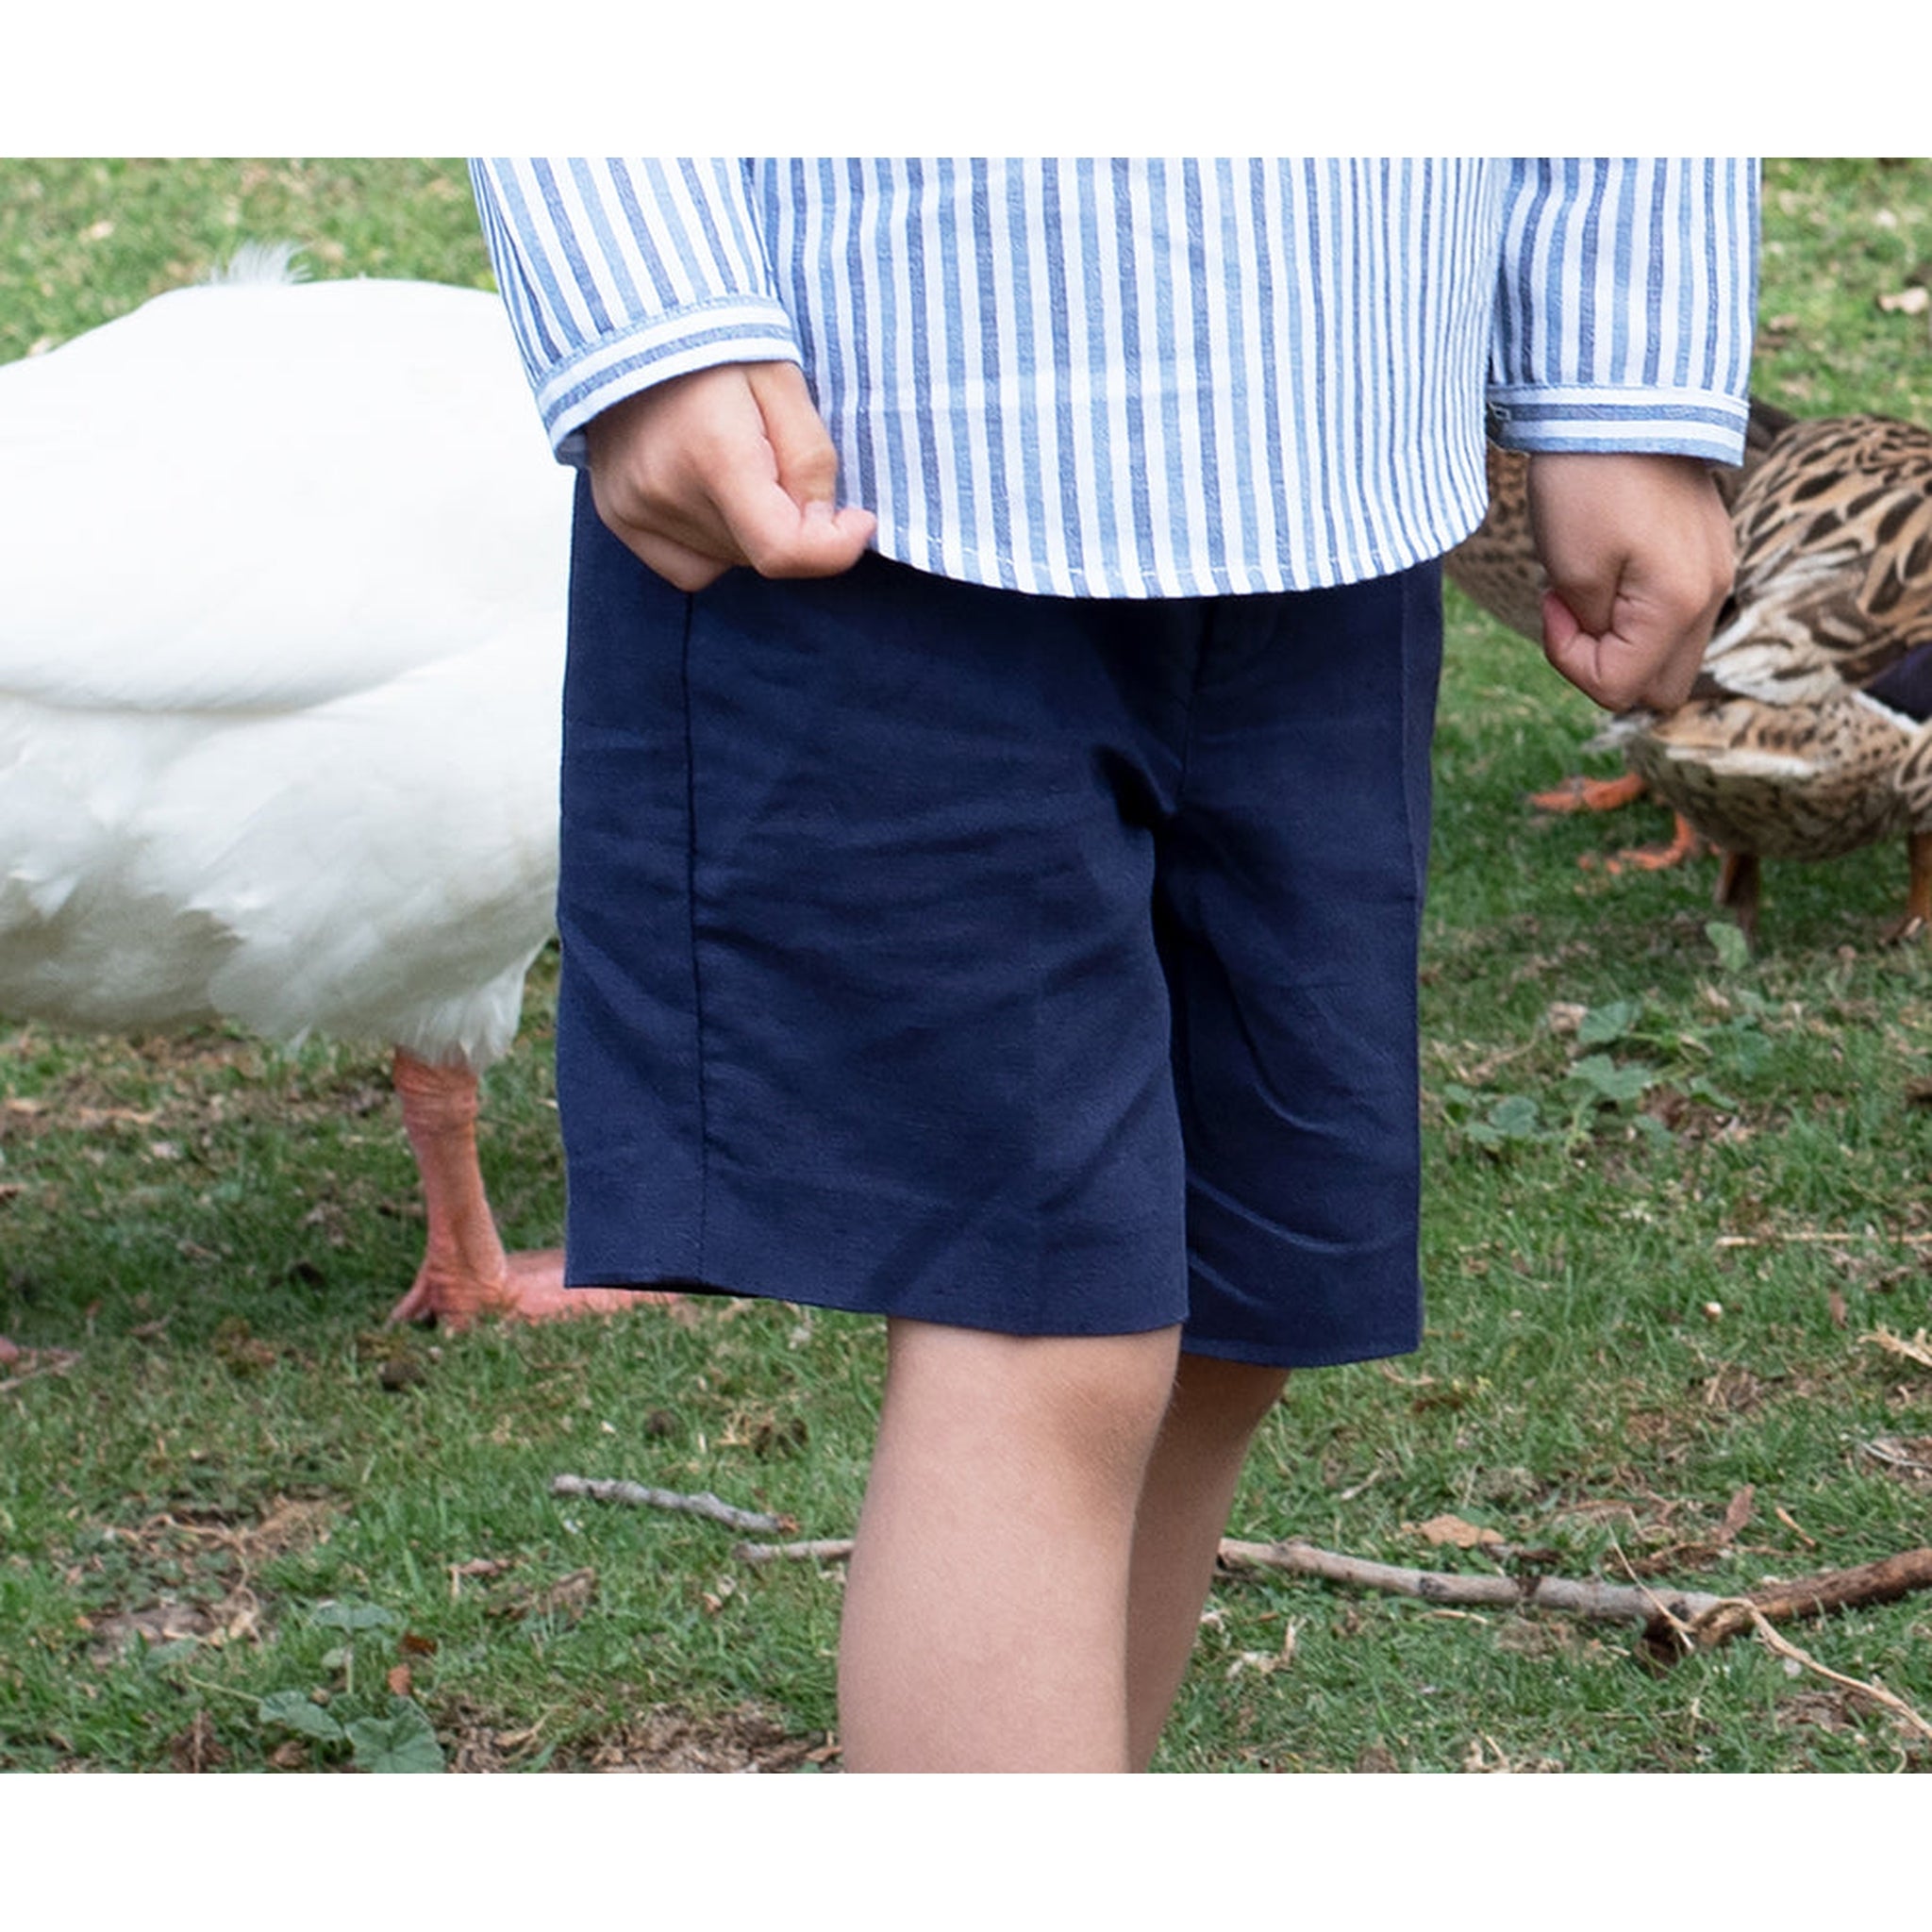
[403, 1741]
[1603, 1024]
[1654, 1131]
[296, 1711]
[340, 1616]
[1516, 1117]
[1733, 948]
[1609, 1081]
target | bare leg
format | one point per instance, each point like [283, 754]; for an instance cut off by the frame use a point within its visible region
[465, 1273]
[1189, 1487]
[986, 1610]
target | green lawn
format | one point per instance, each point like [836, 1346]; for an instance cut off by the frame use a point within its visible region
[1674, 1195]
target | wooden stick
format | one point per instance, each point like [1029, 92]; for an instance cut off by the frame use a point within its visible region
[702, 1504]
[1812, 1597]
[1613, 1603]
[829, 1550]
[1813, 1234]
[1698, 1619]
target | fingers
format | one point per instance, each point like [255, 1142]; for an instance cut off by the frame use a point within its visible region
[1640, 553]
[725, 466]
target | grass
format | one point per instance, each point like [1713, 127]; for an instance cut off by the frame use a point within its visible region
[1672, 1193]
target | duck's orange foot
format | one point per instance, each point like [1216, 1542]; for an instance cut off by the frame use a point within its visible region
[1591, 795]
[8, 1352]
[1686, 845]
[529, 1290]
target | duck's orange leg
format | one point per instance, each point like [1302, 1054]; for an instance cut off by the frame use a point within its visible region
[1685, 843]
[1918, 890]
[465, 1272]
[8, 1352]
[1591, 795]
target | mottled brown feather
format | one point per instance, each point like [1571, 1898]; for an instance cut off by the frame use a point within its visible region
[1780, 752]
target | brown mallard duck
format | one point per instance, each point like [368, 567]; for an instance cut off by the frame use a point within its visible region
[1806, 735]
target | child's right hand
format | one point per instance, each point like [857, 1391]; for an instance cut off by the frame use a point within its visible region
[729, 465]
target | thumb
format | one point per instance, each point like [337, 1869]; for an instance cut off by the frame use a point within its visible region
[800, 444]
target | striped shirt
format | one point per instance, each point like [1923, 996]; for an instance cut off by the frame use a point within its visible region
[1153, 378]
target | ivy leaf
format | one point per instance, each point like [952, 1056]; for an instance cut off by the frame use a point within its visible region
[295, 1711]
[403, 1741]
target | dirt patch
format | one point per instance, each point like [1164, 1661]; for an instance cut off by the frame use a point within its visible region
[749, 1738]
[215, 1558]
[197, 1748]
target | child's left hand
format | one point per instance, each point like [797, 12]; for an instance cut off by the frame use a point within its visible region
[1640, 553]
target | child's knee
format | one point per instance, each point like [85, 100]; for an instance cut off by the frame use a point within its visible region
[1085, 1402]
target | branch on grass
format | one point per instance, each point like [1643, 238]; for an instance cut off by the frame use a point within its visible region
[1675, 1622]
[703, 1504]
[1809, 1597]
[1608, 1603]
[827, 1550]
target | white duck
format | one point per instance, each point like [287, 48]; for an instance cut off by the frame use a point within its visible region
[281, 637]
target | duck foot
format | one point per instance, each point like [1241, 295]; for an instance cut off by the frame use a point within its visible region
[465, 1273]
[8, 1352]
[1591, 795]
[529, 1288]
[1685, 845]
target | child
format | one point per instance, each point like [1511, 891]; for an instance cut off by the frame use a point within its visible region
[991, 900]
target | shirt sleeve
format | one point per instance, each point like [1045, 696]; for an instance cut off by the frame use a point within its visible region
[1626, 305]
[620, 273]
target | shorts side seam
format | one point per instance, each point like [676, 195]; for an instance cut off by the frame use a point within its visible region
[690, 909]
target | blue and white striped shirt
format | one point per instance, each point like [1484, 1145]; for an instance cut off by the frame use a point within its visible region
[1153, 378]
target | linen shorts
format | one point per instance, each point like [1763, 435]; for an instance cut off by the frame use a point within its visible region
[1045, 965]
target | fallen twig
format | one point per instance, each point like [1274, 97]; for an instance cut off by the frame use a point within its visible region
[703, 1504]
[1863, 1234]
[827, 1549]
[1675, 1622]
[1812, 1597]
[1613, 1603]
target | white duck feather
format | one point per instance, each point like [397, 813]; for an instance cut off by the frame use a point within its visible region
[281, 638]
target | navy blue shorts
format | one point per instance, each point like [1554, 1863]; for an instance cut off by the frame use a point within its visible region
[1045, 965]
